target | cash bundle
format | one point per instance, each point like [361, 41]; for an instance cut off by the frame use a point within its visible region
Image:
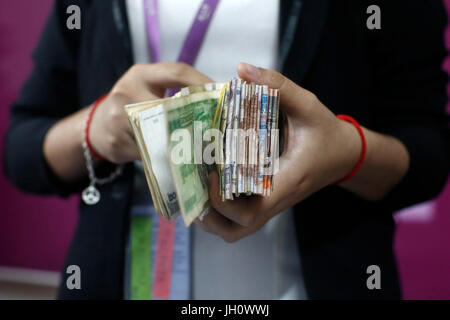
[238, 124]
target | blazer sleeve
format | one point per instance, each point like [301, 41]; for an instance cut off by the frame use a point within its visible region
[410, 95]
[49, 94]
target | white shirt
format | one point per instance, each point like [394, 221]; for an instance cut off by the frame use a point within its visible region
[253, 25]
[266, 264]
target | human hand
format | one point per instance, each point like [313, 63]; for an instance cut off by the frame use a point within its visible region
[110, 132]
[319, 150]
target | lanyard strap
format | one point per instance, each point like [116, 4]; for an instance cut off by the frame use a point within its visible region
[194, 38]
[289, 33]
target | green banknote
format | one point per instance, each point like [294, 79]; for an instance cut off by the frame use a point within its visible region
[187, 120]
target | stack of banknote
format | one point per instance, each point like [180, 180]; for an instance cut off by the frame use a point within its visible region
[247, 115]
[229, 127]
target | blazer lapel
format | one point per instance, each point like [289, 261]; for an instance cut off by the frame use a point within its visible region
[117, 39]
[312, 19]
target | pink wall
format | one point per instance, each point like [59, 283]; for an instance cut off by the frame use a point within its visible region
[423, 249]
[35, 232]
[423, 240]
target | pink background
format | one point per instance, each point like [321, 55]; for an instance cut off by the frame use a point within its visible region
[35, 232]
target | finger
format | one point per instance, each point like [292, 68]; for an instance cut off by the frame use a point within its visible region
[247, 211]
[124, 96]
[131, 90]
[237, 210]
[141, 93]
[171, 75]
[293, 98]
[219, 225]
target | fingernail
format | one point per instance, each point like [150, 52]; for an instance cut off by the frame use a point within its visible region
[252, 70]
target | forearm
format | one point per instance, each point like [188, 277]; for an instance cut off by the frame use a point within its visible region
[62, 147]
[385, 164]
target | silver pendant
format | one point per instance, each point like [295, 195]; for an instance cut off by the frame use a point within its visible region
[91, 195]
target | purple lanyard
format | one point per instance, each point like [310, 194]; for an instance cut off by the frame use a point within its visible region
[194, 39]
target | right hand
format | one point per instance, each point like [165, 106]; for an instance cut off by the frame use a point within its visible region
[110, 133]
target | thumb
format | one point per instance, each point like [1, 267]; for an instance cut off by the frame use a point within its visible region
[294, 100]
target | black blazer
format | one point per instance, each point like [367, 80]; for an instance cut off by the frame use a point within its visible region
[389, 79]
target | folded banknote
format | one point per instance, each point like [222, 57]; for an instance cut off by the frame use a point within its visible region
[229, 127]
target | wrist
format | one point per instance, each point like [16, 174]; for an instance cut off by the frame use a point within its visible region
[385, 164]
[87, 135]
[353, 148]
[62, 149]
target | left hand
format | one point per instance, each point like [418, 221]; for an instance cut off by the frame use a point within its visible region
[319, 150]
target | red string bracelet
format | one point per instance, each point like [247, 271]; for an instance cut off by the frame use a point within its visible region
[363, 148]
[88, 125]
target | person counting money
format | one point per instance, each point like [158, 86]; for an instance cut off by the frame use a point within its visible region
[240, 122]
[364, 134]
